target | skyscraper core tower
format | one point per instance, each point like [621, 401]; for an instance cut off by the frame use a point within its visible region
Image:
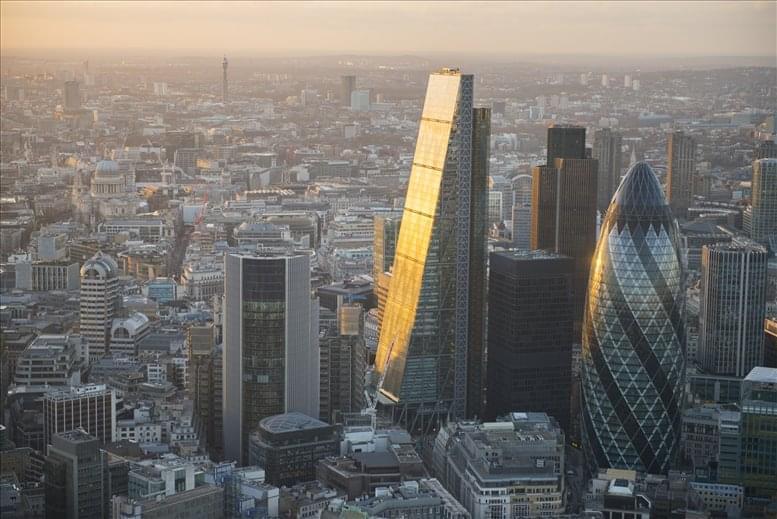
[432, 333]
[224, 84]
[633, 357]
[270, 343]
[607, 150]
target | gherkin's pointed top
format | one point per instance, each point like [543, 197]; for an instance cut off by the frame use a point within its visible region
[640, 188]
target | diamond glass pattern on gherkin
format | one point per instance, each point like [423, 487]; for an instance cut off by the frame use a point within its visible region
[634, 332]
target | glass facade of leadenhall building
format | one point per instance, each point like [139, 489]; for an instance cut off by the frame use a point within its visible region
[634, 333]
[432, 328]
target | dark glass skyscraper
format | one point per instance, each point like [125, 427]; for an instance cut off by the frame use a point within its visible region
[530, 334]
[432, 325]
[564, 205]
[633, 358]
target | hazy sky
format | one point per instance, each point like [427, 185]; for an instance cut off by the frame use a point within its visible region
[694, 28]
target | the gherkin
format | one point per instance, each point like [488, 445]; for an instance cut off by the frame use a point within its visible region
[634, 332]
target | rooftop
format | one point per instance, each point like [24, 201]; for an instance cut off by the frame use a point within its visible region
[290, 422]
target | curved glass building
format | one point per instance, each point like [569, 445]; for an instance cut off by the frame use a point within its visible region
[634, 332]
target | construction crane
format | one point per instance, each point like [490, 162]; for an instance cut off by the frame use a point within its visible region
[372, 400]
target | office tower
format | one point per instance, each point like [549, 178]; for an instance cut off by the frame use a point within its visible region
[732, 307]
[288, 446]
[343, 365]
[72, 96]
[758, 457]
[99, 302]
[681, 162]
[565, 142]
[74, 477]
[206, 386]
[347, 86]
[360, 100]
[270, 344]
[633, 357]
[91, 408]
[607, 150]
[564, 206]
[224, 83]
[530, 333]
[764, 217]
[432, 334]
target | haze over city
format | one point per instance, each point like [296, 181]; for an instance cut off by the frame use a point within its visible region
[350, 260]
[488, 29]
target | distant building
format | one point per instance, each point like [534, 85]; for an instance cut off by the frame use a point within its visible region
[45, 276]
[128, 332]
[100, 301]
[347, 86]
[764, 211]
[53, 360]
[681, 162]
[530, 334]
[518, 463]
[204, 502]
[733, 307]
[360, 100]
[72, 96]
[288, 446]
[91, 408]
[607, 150]
[422, 499]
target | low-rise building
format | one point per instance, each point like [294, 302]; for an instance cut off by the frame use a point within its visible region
[289, 445]
[513, 467]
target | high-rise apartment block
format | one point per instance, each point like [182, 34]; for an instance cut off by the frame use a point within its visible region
[607, 150]
[764, 211]
[530, 334]
[564, 205]
[732, 307]
[633, 356]
[271, 363]
[431, 344]
[681, 162]
[100, 300]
